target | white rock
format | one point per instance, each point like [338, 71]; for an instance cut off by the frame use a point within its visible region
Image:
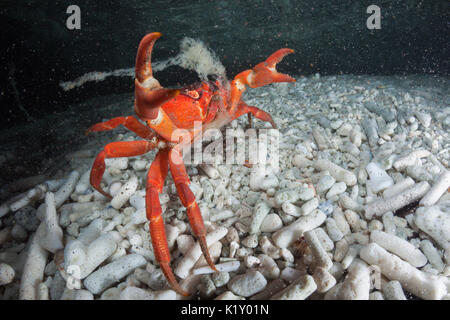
[320, 254]
[234, 246]
[221, 267]
[388, 223]
[251, 261]
[269, 182]
[268, 267]
[398, 187]
[220, 215]
[435, 221]
[33, 270]
[43, 292]
[220, 278]
[345, 130]
[185, 242]
[324, 239]
[419, 283]
[111, 294]
[117, 163]
[83, 184]
[125, 192]
[290, 274]
[375, 225]
[269, 248]
[323, 279]
[301, 161]
[379, 179]
[341, 250]
[341, 221]
[139, 164]
[300, 289]
[28, 197]
[114, 188]
[437, 190]
[348, 203]
[356, 285]
[333, 231]
[305, 193]
[259, 213]
[410, 159]
[320, 138]
[164, 295]
[192, 255]
[257, 176]
[91, 232]
[139, 216]
[37, 193]
[336, 189]
[400, 247]
[66, 189]
[88, 258]
[247, 284]
[309, 206]
[250, 241]
[137, 200]
[271, 223]
[228, 295]
[291, 209]
[338, 173]
[424, 118]
[50, 234]
[397, 201]
[350, 256]
[172, 234]
[134, 293]
[111, 273]
[393, 291]
[371, 129]
[210, 171]
[432, 255]
[289, 195]
[284, 237]
[70, 294]
[7, 274]
[86, 207]
[272, 287]
[376, 295]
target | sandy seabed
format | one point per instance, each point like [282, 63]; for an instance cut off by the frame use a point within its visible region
[359, 207]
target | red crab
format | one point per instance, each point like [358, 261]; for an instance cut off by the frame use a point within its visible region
[166, 110]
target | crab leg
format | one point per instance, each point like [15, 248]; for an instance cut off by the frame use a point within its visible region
[187, 198]
[243, 108]
[216, 102]
[155, 181]
[262, 74]
[116, 150]
[130, 122]
[249, 120]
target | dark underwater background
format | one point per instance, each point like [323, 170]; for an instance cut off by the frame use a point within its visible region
[329, 37]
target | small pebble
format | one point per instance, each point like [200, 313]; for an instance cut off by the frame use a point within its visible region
[247, 284]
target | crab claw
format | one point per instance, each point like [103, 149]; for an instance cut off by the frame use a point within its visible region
[149, 100]
[143, 68]
[148, 92]
[265, 72]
